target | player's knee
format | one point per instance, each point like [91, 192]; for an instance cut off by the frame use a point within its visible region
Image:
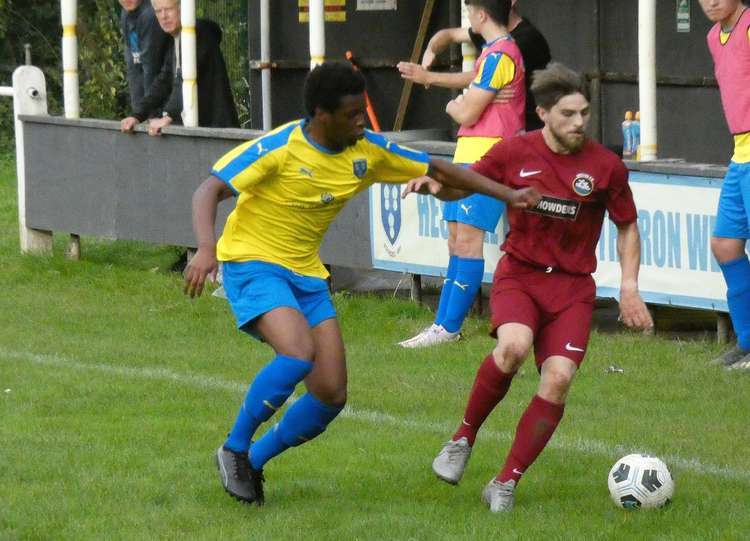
[556, 382]
[509, 356]
[468, 247]
[303, 347]
[332, 395]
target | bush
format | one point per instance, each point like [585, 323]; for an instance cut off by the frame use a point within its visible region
[102, 70]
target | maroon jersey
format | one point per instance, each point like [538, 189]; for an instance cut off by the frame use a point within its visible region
[562, 231]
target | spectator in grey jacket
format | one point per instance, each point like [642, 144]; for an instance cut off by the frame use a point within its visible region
[145, 46]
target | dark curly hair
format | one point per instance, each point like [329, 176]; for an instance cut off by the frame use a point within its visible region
[328, 83]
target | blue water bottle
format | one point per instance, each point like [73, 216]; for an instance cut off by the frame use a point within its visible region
[627, 136]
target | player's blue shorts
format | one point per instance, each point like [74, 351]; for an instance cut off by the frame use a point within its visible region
[733, 214]
[256, 287]
[478, 210]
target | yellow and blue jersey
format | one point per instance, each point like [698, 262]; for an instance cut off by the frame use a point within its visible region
[290, 189]
[499, 66]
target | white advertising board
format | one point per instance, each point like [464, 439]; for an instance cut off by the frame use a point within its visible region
[676, 216]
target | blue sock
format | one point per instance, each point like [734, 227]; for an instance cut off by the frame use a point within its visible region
[445, 293]
[737, 276]
[307, 418]
[267, 393]
[463, 291]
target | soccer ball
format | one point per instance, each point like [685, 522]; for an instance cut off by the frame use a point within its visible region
[637, 481]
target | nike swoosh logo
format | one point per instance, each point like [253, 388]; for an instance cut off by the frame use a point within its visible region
[525, 173]
[517, 472]
[465, 423]
[460, 285]
[571, 347]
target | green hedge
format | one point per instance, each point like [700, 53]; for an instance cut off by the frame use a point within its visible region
[103, 86]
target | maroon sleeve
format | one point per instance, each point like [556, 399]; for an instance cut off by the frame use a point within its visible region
[619, 202]
[492, 164]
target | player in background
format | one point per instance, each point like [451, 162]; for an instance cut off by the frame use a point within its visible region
[290, 185]
[543, 292]
[729, 43]
[534, 50]
[484, 121]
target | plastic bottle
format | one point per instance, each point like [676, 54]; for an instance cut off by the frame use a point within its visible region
[635, 129]
[627, 136]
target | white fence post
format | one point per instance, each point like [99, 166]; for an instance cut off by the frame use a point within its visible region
[187, 45]
[647, 78]
[29, 98]
[317, 28]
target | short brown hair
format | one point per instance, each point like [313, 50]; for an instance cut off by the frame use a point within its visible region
[555, 82]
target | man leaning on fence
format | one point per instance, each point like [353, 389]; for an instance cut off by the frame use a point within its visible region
[215, 101]
[145, 45]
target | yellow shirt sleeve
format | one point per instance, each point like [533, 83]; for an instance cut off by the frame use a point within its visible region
[496, 71]
[251, 162]
[393, 163]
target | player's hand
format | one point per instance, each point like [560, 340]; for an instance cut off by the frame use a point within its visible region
[413, 72]
[155, 125]
[423, 185]
[633, 311]
[127, 124]
[428, 58]
[202, 266]
[525, 198]
[505, 95]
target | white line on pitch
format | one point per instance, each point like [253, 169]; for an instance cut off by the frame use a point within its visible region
[441, 428]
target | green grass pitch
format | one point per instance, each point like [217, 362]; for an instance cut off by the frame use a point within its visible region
[115, 390]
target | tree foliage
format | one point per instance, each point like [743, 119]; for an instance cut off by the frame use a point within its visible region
[101, 64]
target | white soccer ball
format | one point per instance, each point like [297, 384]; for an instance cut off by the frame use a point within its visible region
[637, 481]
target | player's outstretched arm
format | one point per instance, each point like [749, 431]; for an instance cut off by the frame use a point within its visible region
[418, 74]
[205, 200]
[633, 310]
[427, 186]
[467, 180]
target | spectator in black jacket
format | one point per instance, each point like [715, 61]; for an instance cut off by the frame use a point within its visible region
[215, 101]
[145, 44]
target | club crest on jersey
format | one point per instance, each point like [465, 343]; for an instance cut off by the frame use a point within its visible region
[583, 184]
[326, 198]
[359, 167]
[390, 214]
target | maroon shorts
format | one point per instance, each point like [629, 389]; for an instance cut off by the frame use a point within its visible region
[557, 306]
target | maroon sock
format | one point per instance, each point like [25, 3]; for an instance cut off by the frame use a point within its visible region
[534, 430]
[490, 387]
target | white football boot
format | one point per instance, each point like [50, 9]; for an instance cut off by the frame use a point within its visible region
[499, 496]
[434, 335]
[451, 461]
[418, 336]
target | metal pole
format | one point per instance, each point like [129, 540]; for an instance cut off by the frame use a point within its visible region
[467, 49]
[27, 53]
[189, 64]
[69, 19]
[647, 77]
[317, 33]
[265, 61]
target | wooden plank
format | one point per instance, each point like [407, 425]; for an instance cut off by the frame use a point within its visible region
[418, 44]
